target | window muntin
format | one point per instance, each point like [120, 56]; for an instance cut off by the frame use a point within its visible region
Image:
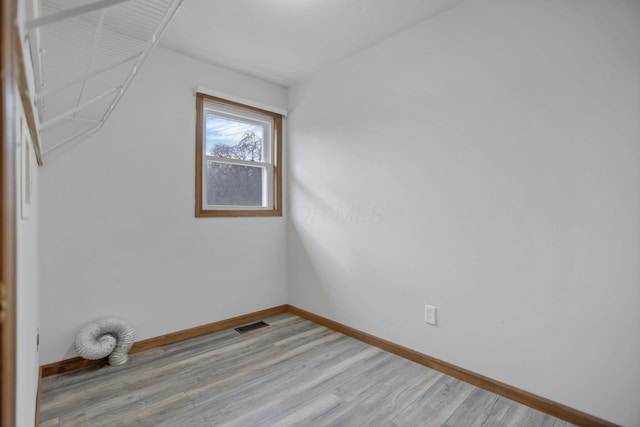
[239, 149]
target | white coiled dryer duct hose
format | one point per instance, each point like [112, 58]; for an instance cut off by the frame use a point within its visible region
[108, 336]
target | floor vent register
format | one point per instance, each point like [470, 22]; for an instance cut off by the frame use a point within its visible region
[251, 327]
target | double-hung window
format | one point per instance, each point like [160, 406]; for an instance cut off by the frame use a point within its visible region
[238, 159]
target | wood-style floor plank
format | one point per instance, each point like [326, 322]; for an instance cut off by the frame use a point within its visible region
[292, 373]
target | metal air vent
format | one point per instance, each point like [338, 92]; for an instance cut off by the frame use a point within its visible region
[251, 327]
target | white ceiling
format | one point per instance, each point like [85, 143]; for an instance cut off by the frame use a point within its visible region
[285, 41]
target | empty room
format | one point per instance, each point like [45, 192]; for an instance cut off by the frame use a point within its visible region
[320, 213]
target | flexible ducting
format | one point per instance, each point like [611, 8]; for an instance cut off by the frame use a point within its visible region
[108, 336]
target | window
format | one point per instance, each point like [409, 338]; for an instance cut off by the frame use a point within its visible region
[238, 159]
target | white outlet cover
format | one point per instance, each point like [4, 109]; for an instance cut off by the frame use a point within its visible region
[431, 314]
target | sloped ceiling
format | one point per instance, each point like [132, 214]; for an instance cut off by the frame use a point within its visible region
[285, 41]
[83, 62]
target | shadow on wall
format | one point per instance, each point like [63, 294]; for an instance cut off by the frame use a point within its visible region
[320, 247]
[303, 272]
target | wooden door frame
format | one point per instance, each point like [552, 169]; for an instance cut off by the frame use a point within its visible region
[8, 96]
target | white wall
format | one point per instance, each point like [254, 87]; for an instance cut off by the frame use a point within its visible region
[487, 162]
[27, 264]
[118, 231]
[27, 288]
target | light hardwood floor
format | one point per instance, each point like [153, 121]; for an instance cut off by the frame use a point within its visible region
[292, 373]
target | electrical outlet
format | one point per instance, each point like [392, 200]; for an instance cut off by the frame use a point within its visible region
[430, 314]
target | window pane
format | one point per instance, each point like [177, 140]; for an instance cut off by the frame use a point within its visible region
[233, 139]
[234, 185]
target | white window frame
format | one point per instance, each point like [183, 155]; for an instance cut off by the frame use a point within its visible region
[271, 124]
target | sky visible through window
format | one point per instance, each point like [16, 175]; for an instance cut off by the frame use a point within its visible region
[230, 184]
[222, 131]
